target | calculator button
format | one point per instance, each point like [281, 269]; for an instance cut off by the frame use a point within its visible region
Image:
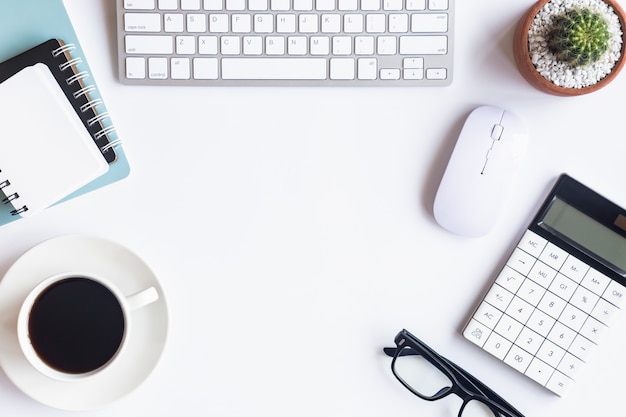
[497, 345]
[510, 279]
[499, 297]
[574, 268]
[532, 243]
[570, 365]
[540, 322]
[614, 293]
[542, 274]
[562, 335]
[529, 341]
[521, 261]
[531, 292]
[520, 310]
[476, 332]
[553, 256]
[592, 329]
[595, 281]
[539, 371]
[573, 317]
[584, 299]
[604, 311]
[552, 305]
[563, 287]
[581, 347]
[558, 383]
[508, 328]
[488, 315]
[550, 353]
[518, 358]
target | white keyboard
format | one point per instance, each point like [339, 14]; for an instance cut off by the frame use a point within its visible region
[286, 42]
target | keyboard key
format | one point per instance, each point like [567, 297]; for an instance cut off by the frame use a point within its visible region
[158, 68]
[210, 4]
[190, 4]
[390, 74]
[196, 23]
[436, 73]
[174, 23]
[139, 44]
[367, 68]
[181, 69]
[142, 22]
[138, 4]
[438, 4]
[429, 23]
[325, 5]
[370, 5]
[274, 68]
[136, 68]
[168, 4]
[342, 69]
[415, 4]
[205, 69]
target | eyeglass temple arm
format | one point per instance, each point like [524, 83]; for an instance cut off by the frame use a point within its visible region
[389, 351]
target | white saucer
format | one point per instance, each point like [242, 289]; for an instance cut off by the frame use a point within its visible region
[99, 257]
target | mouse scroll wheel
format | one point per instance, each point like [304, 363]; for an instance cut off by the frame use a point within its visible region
[496, 132]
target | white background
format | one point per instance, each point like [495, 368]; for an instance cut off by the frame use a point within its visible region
[292, 230]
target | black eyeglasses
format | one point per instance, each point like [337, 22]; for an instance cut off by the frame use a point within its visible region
[431, 376]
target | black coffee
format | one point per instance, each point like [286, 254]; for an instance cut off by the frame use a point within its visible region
[76, 325]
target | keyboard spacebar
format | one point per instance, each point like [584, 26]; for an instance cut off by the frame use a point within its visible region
[274, 68]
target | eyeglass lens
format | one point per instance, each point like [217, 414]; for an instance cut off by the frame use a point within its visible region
[476, 408]
[426, 380]
[419, 374]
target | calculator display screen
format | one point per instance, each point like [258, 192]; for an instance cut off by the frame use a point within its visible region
[586, 233]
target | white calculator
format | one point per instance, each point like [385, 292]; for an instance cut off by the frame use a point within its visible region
[556, 295]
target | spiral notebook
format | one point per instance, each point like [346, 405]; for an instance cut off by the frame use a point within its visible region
[33, 26]
[46, 148]
[45, 161]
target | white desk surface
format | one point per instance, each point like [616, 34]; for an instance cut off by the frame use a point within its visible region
[292, 231]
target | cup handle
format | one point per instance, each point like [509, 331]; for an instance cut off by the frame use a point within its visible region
[142, 298]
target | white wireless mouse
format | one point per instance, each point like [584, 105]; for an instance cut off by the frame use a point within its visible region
[481, 171]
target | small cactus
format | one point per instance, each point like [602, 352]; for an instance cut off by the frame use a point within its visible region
[579, 37]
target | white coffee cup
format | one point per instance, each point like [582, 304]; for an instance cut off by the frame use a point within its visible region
[74, 325]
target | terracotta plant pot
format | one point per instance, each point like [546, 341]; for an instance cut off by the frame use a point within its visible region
[530, 73]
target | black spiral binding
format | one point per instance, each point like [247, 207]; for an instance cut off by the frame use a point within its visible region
[11, 197]
[84, 102]
[77, 92]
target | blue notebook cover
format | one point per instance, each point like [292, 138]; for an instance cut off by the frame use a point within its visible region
[25, 24]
